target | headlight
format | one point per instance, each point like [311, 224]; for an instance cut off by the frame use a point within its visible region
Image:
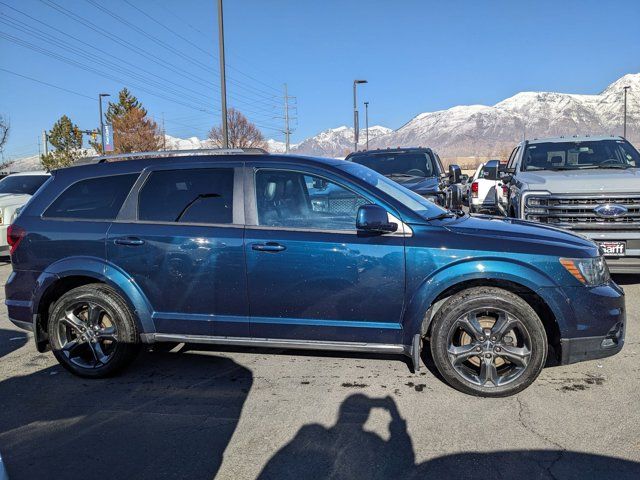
[588, 271]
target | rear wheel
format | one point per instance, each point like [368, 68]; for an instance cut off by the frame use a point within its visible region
[92, 332]
[489, 342]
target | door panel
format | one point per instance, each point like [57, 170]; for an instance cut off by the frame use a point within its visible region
[311, 276]
[183, 245]
[193, 276]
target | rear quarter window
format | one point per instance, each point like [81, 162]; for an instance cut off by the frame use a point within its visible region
[95, 198]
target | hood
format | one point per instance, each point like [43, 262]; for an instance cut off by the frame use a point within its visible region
[608, 181]
[510, 234]
[420, 185]
[8, 199]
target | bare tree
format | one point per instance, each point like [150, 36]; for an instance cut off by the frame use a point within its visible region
[4, 132]
[242, 133]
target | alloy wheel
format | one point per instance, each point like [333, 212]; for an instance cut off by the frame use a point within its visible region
[489, 347]
[87, 334]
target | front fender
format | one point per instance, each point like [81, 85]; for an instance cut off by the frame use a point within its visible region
[465, 270]
[104, 272]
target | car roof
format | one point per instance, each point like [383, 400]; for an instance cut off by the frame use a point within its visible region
[119, 165]
[30, 173]
[388, 150]
[575, 138]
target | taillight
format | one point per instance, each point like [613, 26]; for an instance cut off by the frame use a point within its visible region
[15, 235]
[505, 191]
[474, 189]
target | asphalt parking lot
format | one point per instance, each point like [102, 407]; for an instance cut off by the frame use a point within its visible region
[239, 414]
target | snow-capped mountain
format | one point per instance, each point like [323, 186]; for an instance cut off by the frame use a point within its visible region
[337, 142]
[470, 130]
[479, 130]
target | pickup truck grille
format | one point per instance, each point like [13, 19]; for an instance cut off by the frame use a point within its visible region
[578, 212]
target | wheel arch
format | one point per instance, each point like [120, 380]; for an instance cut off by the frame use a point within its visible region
[70, 273]
[521, 279]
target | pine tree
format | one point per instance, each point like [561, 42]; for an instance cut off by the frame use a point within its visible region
[126, 102]
[66, 138]
[133, 131]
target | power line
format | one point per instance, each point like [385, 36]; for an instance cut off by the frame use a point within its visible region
[48, 84]
[140, 51]
[49, 39]
[206, 52]
[96, 71]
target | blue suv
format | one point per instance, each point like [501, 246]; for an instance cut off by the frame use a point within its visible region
[308, 253]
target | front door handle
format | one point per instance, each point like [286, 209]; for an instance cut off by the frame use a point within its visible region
[268, 247]
[130, 241]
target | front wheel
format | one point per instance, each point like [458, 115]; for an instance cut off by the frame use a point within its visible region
[488, 342]
[92, 331]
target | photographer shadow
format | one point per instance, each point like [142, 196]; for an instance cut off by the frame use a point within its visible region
[347, 451]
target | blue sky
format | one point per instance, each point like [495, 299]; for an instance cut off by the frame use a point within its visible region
[417, 56]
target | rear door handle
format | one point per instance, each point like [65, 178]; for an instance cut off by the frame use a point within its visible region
[268, 247]
[130, 241]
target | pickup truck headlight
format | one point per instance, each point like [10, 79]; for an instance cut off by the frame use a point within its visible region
[588, 271]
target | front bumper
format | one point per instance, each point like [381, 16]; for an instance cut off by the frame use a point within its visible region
[591, 348]
[597, 329]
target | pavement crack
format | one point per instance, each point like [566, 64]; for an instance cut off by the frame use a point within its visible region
[561, 450]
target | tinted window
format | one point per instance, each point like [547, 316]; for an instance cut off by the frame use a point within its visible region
[411, 200]
[293, 199]
[17, 184]
[580, 155]
[94, 198]
[202, 195]
[399, 164]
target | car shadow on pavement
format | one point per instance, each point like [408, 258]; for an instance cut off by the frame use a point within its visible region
[347, 451]
[169, 416]
[11, 340]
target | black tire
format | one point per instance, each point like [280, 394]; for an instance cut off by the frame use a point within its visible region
[92, 331]
[499, 361]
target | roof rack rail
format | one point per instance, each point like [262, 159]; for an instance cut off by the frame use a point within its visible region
[170, 154]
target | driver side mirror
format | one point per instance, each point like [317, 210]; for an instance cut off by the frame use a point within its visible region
[491, 170]
[454, 174]
[374, 219]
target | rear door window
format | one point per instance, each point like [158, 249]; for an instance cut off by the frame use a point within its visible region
[203, 195]
[92, 199]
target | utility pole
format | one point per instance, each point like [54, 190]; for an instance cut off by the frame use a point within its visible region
[287, 131]
[45, 139]
[101, 118]
[366, 121]
[223, 78]
[624, 135]
[164, 135]
[356, 126]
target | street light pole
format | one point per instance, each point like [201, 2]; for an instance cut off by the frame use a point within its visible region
[624, 135]
[223, 78]
[101, 118]
[366, 121]
[356, 126]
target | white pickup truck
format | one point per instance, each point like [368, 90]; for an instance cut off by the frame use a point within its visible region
[16, 190]
[486, 193]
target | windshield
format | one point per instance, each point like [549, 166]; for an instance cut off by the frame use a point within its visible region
[399, 163]
[22, 184]
[412, 200]
[580, 155]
